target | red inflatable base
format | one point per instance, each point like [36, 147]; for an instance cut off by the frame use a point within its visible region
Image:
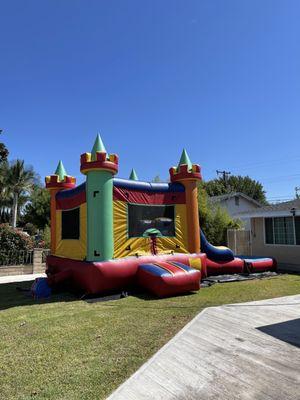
[260, 264]
[147, 271]
[240, 265]
[235, 266]
[168, 278]
[103, 277]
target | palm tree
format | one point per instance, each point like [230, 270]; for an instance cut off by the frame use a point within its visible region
[19, 181]
[5, 201]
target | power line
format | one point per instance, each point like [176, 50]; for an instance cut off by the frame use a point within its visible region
[253, 164]
[224, 174]
[266, 179]
[279, 197]
[283, 196]
[280, 179]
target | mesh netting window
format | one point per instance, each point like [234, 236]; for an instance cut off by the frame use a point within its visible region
[144, 217]
[70, 224]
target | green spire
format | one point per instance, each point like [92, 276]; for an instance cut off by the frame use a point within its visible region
[60, 171]
[133, 175]
[185, 159]
[98, 146]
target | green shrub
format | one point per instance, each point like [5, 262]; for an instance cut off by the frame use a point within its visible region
[13, 244]
[42, 239]
[13, 239]
[47, 237]
[214, 220]
[30, 229]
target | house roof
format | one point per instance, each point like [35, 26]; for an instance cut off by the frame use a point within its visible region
[218, 199]
[287, 208]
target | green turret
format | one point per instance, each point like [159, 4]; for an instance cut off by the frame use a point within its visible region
[98, 147]
[189, 175]
[60, 171]
[133, 176]
[185, 160]
[99, 168]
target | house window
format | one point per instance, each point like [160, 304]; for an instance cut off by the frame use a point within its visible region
[70, 224]
[269, 230]
[282, 230]
[297, 229]
[237, 200]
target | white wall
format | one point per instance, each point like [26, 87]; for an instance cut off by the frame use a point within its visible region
[284, 254]
[234, 209]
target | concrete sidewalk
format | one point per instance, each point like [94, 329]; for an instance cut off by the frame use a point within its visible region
[239, 351]
[20, 278]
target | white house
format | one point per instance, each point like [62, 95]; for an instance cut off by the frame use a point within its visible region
[236, 204]
[275, 232]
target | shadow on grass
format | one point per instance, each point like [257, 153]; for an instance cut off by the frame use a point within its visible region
[148, 296]
[18, 294]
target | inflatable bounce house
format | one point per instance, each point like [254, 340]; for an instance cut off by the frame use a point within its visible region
[108, 233]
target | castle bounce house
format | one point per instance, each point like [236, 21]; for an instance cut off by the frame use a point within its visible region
[108, 234]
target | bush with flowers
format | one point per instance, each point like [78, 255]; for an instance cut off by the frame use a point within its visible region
[13, 242]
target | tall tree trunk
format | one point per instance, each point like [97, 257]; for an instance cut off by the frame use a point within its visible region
[15, 210]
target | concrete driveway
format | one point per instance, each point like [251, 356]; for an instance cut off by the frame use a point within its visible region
[20, 278]
[238, 351]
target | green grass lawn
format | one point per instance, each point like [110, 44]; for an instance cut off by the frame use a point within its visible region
[65, 348]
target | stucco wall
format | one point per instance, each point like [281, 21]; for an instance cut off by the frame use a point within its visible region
[284, 254]
[234, 210]
[244, 205]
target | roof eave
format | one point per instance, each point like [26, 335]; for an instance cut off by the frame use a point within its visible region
[266, 214]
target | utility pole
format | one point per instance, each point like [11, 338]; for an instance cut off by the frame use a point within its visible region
[224, 174]
[297, 189]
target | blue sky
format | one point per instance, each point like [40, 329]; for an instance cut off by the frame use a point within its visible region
[220, 78]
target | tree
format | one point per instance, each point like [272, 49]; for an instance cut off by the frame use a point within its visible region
[37, 210]
[19, 181]
[3, 151]
[5, 198]
[4, 195]
[243, 184]
[214, 220]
